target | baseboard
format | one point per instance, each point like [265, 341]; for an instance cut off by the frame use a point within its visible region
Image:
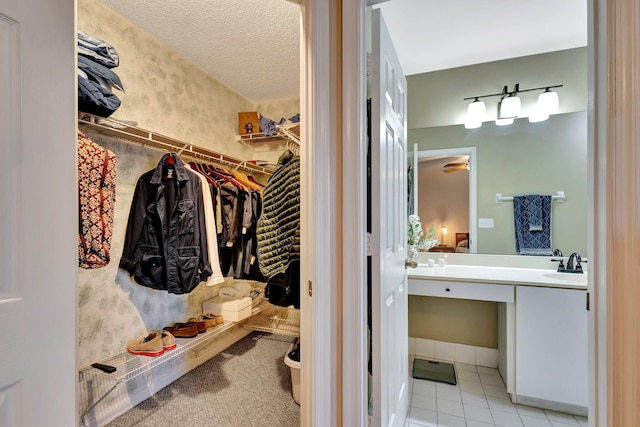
[127, 395]
[451, 352]
[567, 408]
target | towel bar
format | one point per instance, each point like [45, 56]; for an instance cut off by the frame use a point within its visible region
[559, 196]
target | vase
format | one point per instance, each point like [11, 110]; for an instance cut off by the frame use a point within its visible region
[413, 253]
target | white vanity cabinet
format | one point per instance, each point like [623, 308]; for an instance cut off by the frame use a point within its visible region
[551, 346]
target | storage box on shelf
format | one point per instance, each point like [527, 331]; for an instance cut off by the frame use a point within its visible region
[228, 307]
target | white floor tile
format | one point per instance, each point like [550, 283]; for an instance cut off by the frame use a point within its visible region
[491, 379]
[423, 417]
[423, 402]
[534, 422]
[468, 376]
[465, 367]
[479, 399]
[560, 424]
[445, 386]
[582, 420]
[496, 391]
[424, 388]
[531, 411]
[500, 404]
[561, 418]
[471, 386]
[445, 420]
[474, 399]
[473, 423]
[488, 371]
[450, 407]
[477, 413]
[449, 394]
[506, 419]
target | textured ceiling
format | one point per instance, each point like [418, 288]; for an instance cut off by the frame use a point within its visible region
[252, 46]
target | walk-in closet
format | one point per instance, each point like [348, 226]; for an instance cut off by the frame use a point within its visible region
[191, 318]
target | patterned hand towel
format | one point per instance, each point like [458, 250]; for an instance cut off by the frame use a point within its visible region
[532, 215]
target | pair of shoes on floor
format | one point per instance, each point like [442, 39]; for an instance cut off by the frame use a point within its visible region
[153, 344]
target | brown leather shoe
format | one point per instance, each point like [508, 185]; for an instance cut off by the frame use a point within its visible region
[208, 319]
[200, 326]
[182, 330]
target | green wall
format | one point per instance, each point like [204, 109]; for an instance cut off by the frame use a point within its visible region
[524, 158]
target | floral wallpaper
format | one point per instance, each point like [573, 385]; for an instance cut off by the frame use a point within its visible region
[166, 94]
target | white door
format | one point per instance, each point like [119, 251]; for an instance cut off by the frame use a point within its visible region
[38, 213]
[389, 224]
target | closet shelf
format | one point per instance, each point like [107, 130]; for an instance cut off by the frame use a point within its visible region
[289, 132]
[129, 366]
[265, 318]
[278, 320]
[121, 130]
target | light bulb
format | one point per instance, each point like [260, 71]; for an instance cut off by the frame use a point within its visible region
[548, 101]
[476, 110]
[510, 107]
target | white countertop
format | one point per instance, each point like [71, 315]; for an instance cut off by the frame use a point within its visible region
[500, 275]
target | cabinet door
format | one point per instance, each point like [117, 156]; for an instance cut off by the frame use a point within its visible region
[551, 344]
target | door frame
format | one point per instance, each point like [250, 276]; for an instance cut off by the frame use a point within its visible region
[473, 186]
[601, 19]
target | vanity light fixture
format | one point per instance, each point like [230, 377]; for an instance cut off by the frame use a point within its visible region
[444, 231]
[510, 106]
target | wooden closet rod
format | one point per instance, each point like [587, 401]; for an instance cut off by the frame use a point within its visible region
[116, 129]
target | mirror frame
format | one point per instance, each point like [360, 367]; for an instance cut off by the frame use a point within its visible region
[473, 205]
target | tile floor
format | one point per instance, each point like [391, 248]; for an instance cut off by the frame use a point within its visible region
[478, 400]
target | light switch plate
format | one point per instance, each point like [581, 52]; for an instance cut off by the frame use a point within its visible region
[485, 222]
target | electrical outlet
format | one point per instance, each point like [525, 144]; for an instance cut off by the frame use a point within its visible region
[485, 223]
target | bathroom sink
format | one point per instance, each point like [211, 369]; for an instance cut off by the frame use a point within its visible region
[568, 277]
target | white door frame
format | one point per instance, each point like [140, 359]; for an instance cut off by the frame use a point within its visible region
[473, 186]
[354, 345]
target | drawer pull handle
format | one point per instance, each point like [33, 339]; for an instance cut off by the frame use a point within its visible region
[448, 290]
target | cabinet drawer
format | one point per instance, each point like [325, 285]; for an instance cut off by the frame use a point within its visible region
[462, 290]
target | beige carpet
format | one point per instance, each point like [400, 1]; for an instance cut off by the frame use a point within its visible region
[246, 385]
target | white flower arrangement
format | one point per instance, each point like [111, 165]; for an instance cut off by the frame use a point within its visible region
[416, 234]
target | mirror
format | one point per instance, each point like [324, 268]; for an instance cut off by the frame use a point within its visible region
[447, 196]
[520, 159]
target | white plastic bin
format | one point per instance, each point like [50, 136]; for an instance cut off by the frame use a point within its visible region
[295, 374]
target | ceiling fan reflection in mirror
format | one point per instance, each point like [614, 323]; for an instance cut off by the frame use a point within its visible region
[454, 167]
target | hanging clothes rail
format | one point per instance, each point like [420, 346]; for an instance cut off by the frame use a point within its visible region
[117, 129]
[559, 196]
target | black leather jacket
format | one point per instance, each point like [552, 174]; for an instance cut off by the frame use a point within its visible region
[165, 244]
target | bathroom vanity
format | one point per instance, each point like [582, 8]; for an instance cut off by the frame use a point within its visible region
[542, 321]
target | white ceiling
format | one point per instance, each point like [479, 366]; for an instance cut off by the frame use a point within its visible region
[252, 46]
[432, 35]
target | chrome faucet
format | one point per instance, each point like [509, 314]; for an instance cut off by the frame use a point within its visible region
[570, 268]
